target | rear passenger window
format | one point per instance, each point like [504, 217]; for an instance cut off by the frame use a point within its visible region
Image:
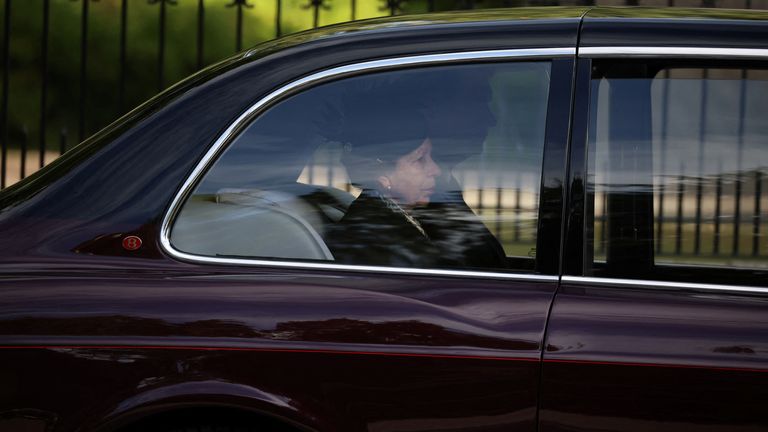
[434, 167]
[678, 162]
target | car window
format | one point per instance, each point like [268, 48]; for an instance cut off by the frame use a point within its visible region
[678, 162]
[431, 167]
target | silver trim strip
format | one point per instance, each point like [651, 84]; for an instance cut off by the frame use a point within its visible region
[662, 284]
[690, 52]
[359, 268]
[251, 112]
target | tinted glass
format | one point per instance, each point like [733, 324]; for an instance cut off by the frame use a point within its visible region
[678, 165]
[434, 167]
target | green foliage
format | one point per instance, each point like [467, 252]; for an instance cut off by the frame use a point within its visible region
[141, 70]
[141, 74]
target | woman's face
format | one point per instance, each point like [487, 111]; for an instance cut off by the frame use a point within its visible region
[413, 179]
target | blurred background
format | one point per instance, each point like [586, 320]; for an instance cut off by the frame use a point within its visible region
[71, 67]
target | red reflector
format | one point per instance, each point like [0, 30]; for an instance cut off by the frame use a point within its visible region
[131, 243]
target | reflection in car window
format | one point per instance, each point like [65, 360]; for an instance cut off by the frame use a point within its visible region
[433, 167]
[679, 163]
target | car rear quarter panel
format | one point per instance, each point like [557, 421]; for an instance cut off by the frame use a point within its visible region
[95, 335]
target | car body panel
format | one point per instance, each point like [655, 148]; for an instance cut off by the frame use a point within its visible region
[424, 332]
[387, 351]
[628, 359]
[119, 335]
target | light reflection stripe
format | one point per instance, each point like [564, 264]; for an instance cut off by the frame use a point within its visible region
[651, 51]
[385, 354]
[639, 283]
[267, 350]
[657, 365]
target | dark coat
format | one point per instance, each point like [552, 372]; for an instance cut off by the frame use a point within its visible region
[374, 232]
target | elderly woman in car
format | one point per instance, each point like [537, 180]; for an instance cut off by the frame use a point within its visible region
[410, 212]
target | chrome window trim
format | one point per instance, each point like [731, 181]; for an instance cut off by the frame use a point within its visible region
[640, 283]
[367, 66]
[662, 52]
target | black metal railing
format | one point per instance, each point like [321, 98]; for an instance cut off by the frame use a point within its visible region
[17, 167]
[686, 232]
[17, 130]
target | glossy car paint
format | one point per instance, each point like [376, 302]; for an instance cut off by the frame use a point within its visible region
[650, 356]
[701, 28]
[97, 337]
[333, 352]
[630, 359]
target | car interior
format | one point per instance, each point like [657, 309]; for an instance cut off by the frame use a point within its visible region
[278, 188]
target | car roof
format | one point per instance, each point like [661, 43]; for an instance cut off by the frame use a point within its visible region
[674, 13]
[604, 18]
[547, 13]
[399, 24]
[448, 18]
[673, 27]
[402, 22]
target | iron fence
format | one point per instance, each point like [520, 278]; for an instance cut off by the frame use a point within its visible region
[710, 168]
[17, 135]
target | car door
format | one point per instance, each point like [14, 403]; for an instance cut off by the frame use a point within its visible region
[368, 340]
[661, 321]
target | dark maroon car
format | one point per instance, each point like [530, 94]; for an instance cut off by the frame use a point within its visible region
[522, 220]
